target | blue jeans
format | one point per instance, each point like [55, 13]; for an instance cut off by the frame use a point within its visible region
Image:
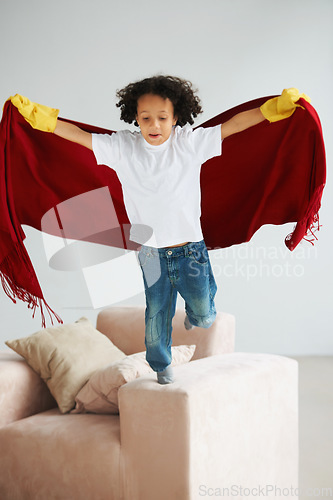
[166, 271]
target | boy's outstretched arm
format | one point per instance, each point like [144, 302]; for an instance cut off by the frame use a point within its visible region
[73, 133]
[241, 122]
[274, 109]
[45, 119]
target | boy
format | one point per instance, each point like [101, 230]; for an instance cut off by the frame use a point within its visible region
[159, 169]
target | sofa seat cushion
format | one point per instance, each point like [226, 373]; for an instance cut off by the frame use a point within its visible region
[56, 456]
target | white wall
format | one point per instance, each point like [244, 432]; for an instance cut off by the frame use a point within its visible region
[74, 54]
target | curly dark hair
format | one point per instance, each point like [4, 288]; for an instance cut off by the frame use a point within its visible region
[180, 92]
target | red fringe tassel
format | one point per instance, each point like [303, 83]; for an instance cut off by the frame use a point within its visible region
[309, 225]
[14, 292]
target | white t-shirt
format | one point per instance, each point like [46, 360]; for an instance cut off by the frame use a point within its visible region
[161, 184]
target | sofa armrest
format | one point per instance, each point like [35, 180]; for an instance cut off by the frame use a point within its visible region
[227, 421]
[22, 391]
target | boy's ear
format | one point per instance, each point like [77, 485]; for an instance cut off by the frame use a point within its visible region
[175, 120]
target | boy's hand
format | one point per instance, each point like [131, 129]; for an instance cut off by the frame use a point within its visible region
[283, 106]
[40, 117]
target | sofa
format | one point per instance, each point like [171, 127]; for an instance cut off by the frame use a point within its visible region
[227, 426]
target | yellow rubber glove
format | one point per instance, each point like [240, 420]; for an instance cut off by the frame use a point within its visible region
[40, 117]
[283, 106]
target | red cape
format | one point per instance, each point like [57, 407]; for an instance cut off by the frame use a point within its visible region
[271, 173]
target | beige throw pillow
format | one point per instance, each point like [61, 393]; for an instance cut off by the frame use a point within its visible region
[100, 394]
[66, 356]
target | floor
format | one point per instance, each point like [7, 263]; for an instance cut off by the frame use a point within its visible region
[315, 426]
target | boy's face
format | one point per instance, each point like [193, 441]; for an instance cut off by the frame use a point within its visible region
[155, 118]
